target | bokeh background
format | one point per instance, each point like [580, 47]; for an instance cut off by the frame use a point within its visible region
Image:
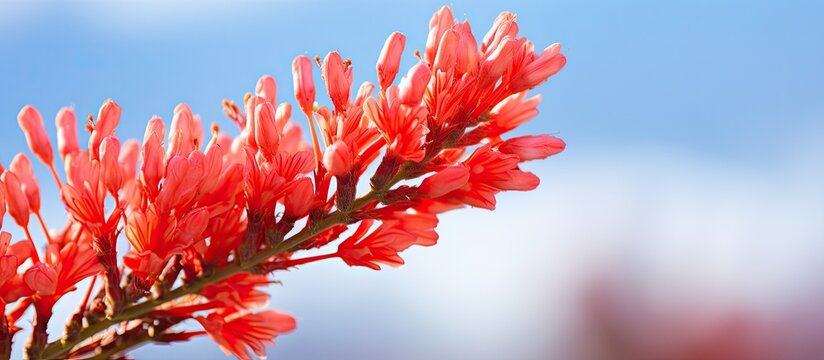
[685, 220]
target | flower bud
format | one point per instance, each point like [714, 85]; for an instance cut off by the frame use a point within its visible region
[447, 51]
[151, 170]
[21, 166]
[266, 88]
[8, 263]
[532, 147]
[337, 159]
[41, 278]
[364, 92]
[467, 56]
[517, 180]
[503, 26]
[31, 122]
[338, 77]
[107, 120]
[390, 59]
[66, 132]
[129, 153]
[266, 132]
[298, 202]
[282, 115]
[5, 239]
[192, 225]
[213, 166]
[304, 83]
[441, 21]
[501, 58]
[155, 127]
[181, 139]
[248, 134]
[112, 172]
[413, 85]
[444, 181]
[549, 63]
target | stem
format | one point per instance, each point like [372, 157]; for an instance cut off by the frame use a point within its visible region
[306, 260]
[121, 347]
[34, 256]
[5, 334]
[132, 338]
[75, 323]
[88, 293]
[58, 348]
[56, 177]
[43, 225]
[39, 334]
[315, 143]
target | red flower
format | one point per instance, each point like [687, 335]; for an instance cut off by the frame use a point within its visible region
[490, 172]
[8, 262]
[239, 291]
[237, 333]
[393, 236]
[532, 147]
[208, 220]
[402, 126]
[31, 122]
[390, 59]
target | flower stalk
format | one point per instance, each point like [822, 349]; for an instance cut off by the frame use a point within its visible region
[210, 221]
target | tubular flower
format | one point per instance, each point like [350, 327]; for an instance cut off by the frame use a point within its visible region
[446, 180]
[66, 132]
[337, 159]
[390, 238]
[304, 84]
[31, 122]
[237, 333]
[8, 262]
[267, 88]
[490, 172]
[402, 126]
[16, 200]
[21, 166]
[337, 74]
[533, 147]
[107, 120]
[210, 217]
[239, 291]
[390, 59]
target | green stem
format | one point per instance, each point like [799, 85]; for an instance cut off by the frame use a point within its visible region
[130, 343]
[133, 338]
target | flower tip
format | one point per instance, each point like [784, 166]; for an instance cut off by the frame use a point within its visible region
[337, 74]
[337, 159]
[41, 278]
[31, 123]
[266, 133]
[533, 147]
[445, 181]
[390, 59]
[413, 85]
[304, 83]
[266, 88]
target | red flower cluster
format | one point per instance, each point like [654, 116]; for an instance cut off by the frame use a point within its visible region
[210, 215]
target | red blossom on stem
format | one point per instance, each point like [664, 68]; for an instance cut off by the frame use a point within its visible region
[209, 216]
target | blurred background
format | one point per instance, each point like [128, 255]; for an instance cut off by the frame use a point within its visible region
[685, 220]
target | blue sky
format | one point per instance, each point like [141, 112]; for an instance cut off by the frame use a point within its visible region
[665, 106]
